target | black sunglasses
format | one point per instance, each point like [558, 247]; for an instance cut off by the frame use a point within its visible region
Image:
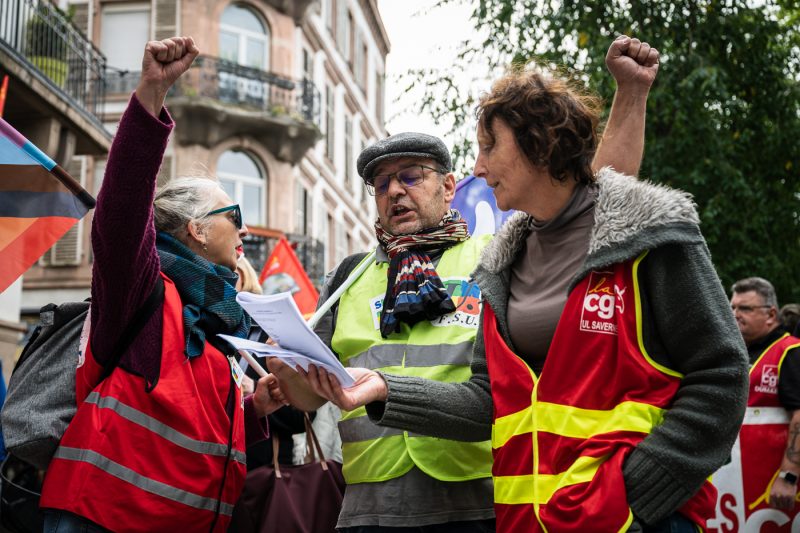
[237, 214]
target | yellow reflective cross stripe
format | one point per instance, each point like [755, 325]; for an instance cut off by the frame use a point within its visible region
[532, 489]
[576, 422]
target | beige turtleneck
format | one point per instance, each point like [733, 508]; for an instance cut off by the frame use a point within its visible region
[541, 272]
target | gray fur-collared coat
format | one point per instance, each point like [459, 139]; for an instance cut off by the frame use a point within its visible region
[687, 326]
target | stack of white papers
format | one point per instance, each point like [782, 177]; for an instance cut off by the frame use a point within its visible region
[278, 315]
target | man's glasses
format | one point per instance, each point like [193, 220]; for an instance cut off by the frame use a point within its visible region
[407, 177]
[236, 215]
[748, 308]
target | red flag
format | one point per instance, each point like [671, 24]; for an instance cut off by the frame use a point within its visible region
[283, 272]
[39, 203]
[3, 93]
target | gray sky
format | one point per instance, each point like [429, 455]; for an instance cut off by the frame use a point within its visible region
[419, 37]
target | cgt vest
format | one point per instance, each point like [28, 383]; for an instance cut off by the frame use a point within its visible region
[172, 458]
[560, 439]
[765, 431]
[440, 349]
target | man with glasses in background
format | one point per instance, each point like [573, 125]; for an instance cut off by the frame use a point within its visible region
[770, 437]
[414, 312]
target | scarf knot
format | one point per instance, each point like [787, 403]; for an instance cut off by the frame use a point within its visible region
[208, 294]
[414, 291]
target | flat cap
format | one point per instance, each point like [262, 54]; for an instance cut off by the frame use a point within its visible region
[408, 144]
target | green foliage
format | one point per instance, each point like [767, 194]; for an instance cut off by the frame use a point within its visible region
[723, 117]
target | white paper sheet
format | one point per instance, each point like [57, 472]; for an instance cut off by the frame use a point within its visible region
[278, 315]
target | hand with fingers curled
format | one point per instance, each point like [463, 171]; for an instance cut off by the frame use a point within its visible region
[782, 494]
[268, 396]
[163, 63]
[632, 62]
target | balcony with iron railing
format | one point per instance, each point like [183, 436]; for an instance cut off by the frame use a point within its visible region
[55, 70]
[217, 99]
[258, 245]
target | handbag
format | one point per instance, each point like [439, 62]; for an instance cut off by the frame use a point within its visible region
[291, 499]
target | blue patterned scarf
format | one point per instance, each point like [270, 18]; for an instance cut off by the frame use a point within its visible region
[414, 291]
[208, 293]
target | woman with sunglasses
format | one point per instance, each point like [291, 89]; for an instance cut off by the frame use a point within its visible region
[159, 444]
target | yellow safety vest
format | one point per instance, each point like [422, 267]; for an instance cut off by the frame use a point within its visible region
[440, 350]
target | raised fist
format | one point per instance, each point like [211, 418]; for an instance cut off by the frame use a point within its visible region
[162, 64]
[632, 62]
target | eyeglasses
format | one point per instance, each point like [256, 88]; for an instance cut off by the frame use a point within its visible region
[237, 214]
[748, 308]
[407, 177]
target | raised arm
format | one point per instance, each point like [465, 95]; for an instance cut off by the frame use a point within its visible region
[634, 65]
[123, 235]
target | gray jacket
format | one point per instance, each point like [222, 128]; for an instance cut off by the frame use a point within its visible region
[687, 326]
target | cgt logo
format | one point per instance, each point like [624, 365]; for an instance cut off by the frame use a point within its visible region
[603, 299]
[769, 380]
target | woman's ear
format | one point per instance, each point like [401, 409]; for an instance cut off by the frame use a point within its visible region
[196, 234]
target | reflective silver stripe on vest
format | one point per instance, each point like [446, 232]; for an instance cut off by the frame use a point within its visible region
[362, 428]
[439, 354]
[162, 430]
[416, 355]
[145, 483]
[379, 356]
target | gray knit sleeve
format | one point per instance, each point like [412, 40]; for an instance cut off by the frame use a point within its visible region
[456, 411]
[690, 322]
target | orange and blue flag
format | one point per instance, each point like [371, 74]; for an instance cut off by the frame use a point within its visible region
[39, 203]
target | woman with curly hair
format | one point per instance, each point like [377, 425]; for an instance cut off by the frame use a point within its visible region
[617, 376]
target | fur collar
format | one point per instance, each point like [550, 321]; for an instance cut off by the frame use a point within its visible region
[625, 208]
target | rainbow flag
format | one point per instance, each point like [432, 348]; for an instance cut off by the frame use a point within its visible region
[39, 203]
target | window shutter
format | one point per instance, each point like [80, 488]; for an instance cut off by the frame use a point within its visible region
[342, 37]
[68, 250]
[166, 18]
[80, 17]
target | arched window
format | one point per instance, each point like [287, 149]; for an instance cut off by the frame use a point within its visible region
[245, 181]
[244, 37]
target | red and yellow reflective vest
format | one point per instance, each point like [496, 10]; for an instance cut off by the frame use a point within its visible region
[765, 432]
[560, 439]
[170, 458]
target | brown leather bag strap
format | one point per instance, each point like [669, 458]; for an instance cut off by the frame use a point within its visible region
[276, 445]
[312, 437]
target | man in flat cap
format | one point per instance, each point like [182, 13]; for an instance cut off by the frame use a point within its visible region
[414, 312]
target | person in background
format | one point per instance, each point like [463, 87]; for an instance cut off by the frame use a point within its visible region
[424, 326]
[789, 315]
[287, 420]
[159, 445]
[774, 384]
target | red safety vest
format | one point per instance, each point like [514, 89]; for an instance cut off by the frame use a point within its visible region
[169, 459]
[765, 432]
[560, 440]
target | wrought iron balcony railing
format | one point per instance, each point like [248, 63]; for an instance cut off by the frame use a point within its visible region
[310, 252]
[41, 35]
[231, 83]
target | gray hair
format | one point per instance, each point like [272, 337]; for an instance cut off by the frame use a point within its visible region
[184, 200]
[760, 286]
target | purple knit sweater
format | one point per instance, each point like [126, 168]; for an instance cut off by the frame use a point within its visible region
[126, 263]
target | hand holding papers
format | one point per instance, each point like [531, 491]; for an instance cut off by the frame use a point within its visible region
[277, 314]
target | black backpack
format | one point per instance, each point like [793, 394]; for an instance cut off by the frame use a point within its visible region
[41, 402]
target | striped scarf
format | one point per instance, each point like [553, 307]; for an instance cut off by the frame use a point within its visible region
[414, 291]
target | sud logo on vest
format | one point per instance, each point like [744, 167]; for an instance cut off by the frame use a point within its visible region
[465, 295]
[603, 299]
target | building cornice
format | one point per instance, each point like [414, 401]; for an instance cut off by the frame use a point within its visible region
[373, 16]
